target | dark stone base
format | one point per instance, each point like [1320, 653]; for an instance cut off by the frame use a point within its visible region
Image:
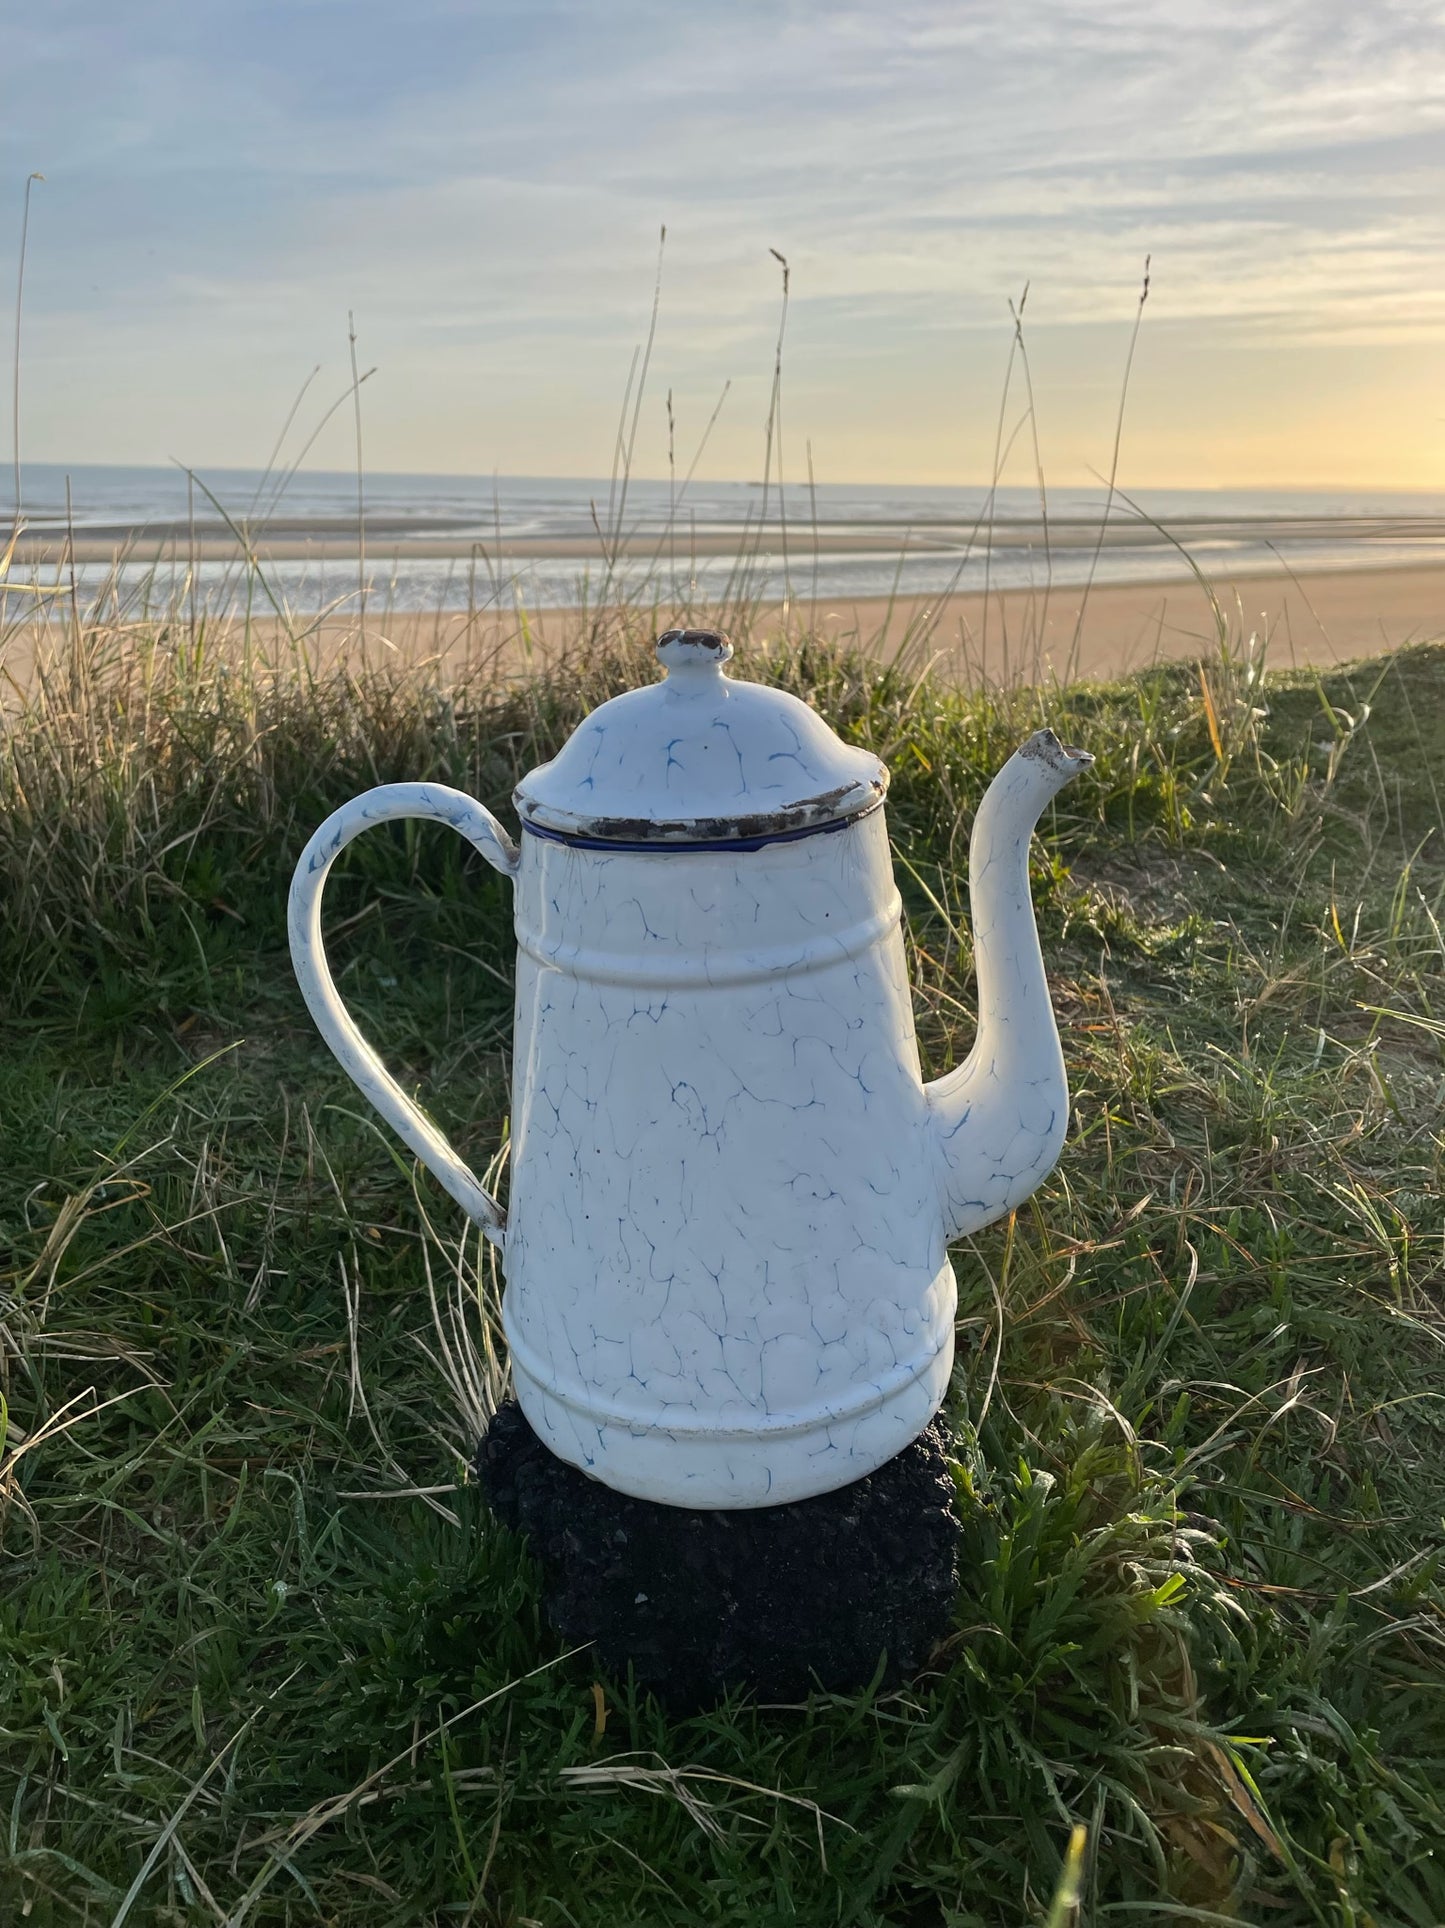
[774, 1599]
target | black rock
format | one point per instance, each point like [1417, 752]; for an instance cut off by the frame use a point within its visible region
[774, 1599]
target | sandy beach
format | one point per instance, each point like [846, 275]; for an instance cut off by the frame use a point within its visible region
[1318, 619]
[1322, 618]
[468, 571]
[1068, 539]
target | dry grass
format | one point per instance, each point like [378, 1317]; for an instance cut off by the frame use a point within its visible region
[263, 1658]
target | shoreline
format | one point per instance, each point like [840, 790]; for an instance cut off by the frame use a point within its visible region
[174, 546]
[1009, 636]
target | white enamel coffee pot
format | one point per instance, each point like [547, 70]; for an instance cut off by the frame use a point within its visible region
[727, 1279]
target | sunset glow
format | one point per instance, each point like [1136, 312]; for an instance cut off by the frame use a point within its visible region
[484, 189]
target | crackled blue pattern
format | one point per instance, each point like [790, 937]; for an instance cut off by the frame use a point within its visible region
[700, 758]
[727, 1277]
[728, 1283]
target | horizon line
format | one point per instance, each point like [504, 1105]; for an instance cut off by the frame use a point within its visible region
[1102, 487]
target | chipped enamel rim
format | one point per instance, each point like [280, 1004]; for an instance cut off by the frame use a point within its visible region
[693, 661]
[741, 833]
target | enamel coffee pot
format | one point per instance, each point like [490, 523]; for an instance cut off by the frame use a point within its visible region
[727, 1278]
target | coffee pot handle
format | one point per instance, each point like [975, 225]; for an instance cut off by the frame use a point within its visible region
[391, 801]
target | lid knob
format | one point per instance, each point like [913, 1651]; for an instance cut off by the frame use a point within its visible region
[684, 649]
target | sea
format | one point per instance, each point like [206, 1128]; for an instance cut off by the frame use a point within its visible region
[441, 542]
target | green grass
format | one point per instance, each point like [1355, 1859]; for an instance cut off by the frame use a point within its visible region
[264, 1659]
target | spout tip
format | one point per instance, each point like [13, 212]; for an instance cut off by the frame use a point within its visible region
[1063, 759]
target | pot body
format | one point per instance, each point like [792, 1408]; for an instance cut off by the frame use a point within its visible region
[727, 1283]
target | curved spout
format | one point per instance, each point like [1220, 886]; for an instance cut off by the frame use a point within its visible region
[998, 1120]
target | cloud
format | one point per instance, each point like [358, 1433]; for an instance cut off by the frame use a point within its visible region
[225, 183]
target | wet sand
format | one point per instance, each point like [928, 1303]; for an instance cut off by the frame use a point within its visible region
[1068, 539]
[1320, 619]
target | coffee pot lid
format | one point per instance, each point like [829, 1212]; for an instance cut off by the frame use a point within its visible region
[699, 759]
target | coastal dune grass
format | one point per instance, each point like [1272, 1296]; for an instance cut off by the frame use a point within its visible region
[263, 1656]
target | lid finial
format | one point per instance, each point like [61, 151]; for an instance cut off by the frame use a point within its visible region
[693, 649]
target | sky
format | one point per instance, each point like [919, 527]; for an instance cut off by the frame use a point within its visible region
[482, 185]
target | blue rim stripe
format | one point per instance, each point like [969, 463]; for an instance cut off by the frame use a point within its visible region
[655, 847]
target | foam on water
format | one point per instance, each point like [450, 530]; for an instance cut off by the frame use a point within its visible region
[915, 541]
